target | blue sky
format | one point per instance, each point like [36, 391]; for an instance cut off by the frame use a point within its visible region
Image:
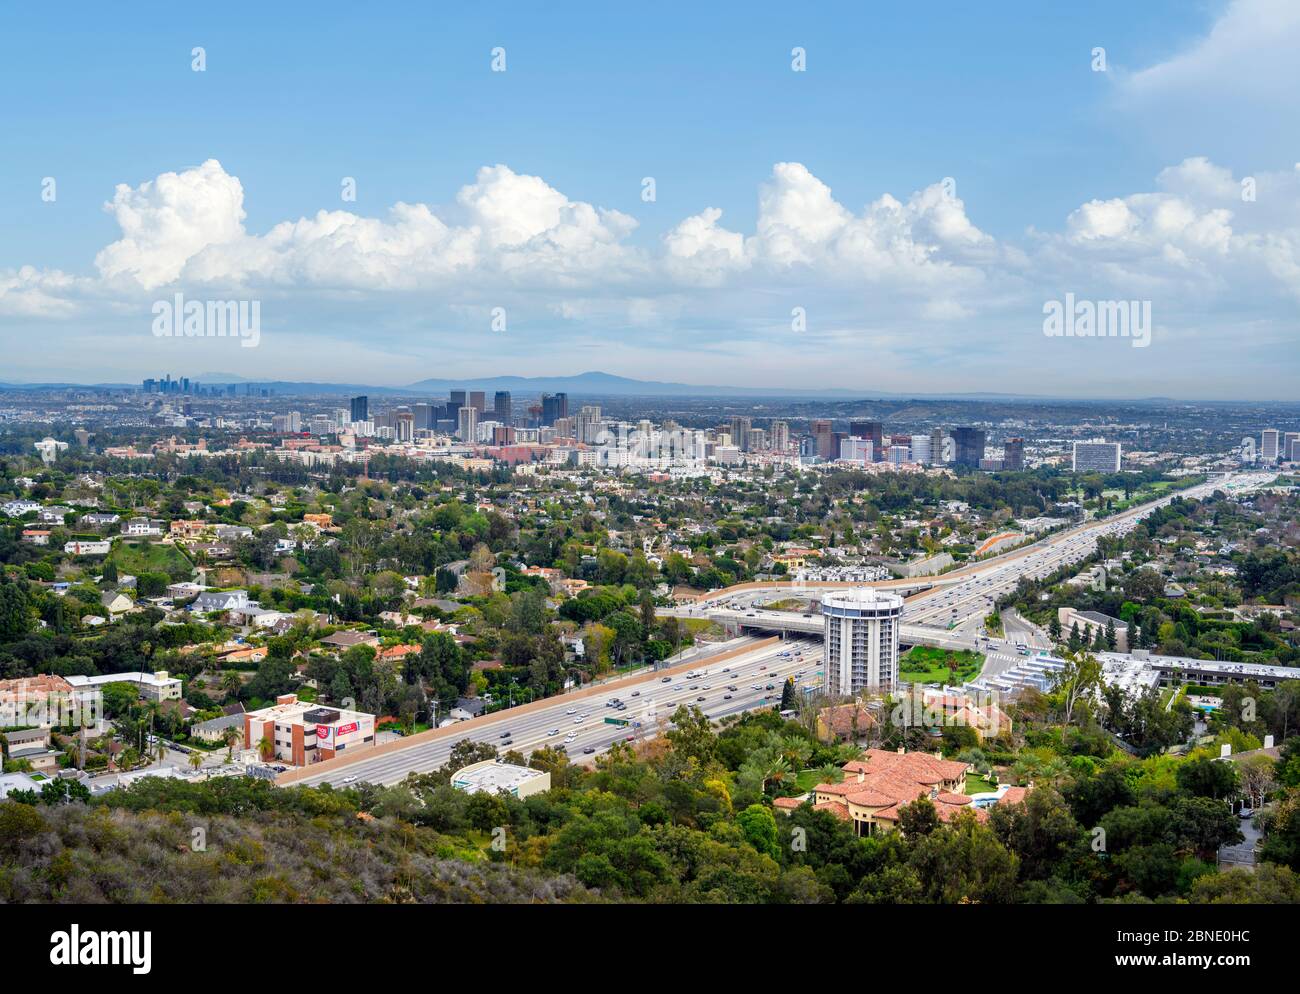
[905, 293]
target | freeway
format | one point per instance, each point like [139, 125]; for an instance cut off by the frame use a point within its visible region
[577, 724]
[949, 610]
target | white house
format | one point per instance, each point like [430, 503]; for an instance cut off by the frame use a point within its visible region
[88, 548]
[220, 600]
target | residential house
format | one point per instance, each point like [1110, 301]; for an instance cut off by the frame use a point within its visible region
[142, 528]
[344, 640]
[220, 600]
[877, 786]
[115, 603]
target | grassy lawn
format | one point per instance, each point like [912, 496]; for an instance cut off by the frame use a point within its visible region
[789, 604]
[703, 629]
[145, 557]
[807, 780]
[977, 784]
[927, 664]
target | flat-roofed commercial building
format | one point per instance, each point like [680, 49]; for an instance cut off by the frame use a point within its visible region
[301, 733]
[968, 445]
[156, 687]
[1093, 622]
[495, 777]
[1096, 457]
[861, 639]
[1269, 444]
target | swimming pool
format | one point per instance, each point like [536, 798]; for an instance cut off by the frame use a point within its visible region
[990, 798]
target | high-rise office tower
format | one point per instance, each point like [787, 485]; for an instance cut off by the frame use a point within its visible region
[424, 417]
[824, 438]
[740, 432]
[968, 446]
[478, 401]
[404, 424]
[554, 407]
[854, 449]
[467, 424]
[1096, 457]
[589, 424]
[1013, 454]
[919, 446]
[780, 432]
[873, 430]
[937, 437]
[861, 641]
[503, 407]
[360, 408]
[1268, 444]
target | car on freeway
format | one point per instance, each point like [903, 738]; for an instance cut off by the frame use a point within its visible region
[571, 711]
[504, 735]
[700, 698]
[726, 697]
[553, 731]
[350, 778]
[589, 750]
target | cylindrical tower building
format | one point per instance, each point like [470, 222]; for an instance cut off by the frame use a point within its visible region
[861, 641]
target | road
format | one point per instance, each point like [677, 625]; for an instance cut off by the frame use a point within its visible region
[959, 600]
[579, 724]
[949, 614]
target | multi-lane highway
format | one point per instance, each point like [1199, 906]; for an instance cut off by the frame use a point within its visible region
[577, 724]
[949, 613]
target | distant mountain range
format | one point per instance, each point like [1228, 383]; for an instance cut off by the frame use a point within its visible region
[589, 384]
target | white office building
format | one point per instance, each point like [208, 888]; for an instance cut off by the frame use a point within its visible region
[1097, 457]
[467, 424]
[921, 450]
[1268, 444]
[861, 640]
[857, 450]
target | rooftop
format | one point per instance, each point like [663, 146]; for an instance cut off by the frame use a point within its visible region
[493, 776]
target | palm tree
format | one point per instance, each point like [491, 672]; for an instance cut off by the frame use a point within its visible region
[776, 771]
[196, 759]
[830, 773]
[230, 736]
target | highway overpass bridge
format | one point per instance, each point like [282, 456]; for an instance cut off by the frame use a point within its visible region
[791, 623]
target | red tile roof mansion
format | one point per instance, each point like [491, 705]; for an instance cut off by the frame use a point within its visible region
[876, 786]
